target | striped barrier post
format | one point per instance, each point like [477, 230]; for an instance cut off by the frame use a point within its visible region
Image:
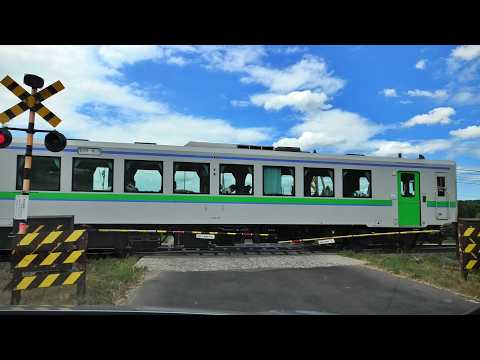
[43, 259]
[469, 245]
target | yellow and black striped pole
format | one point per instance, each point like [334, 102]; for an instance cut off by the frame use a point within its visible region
[35, 82]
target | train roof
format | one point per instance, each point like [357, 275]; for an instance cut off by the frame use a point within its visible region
[236, 149]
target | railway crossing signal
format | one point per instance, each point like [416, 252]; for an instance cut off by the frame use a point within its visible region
[54, 141]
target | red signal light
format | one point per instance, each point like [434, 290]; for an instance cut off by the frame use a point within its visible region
[5, 138]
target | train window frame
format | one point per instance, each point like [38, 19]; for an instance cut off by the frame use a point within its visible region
[357, 197]
[274, 166]
[305, 185]
[20, 173]
[440, 187]
[90, 158]
[174, 190]
[142, 192]
[406, 179]
[220, 177]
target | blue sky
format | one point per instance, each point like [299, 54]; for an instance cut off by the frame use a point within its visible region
[377, 100]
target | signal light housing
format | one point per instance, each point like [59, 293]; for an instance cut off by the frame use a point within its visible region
[5, 138]
[55, 141]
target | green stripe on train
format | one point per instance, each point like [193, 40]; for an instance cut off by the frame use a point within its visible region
[195, 198]
[451, 204]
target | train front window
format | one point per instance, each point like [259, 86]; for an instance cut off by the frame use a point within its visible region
[357, 183]
[143, 176]
[236, 179]
[318, 182]
[91, 174]
[191, 178]
[45, 173]
[279, 180]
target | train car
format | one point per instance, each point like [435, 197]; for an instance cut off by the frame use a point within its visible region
[223, 187]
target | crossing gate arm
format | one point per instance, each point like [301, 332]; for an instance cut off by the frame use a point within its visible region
[361, 235]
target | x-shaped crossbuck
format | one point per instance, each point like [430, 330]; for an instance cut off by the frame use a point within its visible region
[30, 101]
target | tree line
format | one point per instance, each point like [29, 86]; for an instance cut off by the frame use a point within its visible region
[469, 209]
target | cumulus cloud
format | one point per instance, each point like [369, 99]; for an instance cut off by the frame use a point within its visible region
[437, 94]
[99, 103]
[421, 64]
[469, 132]
[466, 52]
[439, 115]
[309, 73]
[392, 148]
[335, 129]
[389, 92]
[305, 101]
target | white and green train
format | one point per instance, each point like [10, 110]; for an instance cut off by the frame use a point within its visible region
[222, 186]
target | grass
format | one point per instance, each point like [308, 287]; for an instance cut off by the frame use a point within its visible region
[108, 281]
[440, 270]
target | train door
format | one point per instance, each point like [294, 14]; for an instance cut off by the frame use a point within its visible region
[409, 207]
[441, 197]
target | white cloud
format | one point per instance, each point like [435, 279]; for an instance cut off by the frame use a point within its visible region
[305, 101]
[231, 58]
[99, 103]
[337, 129]
[437, 94]
[309, 73]
[389, 92]
[392, 148]
[439, 115]
[466, 52]
[240, 103]
[421, 64]
[469, 132]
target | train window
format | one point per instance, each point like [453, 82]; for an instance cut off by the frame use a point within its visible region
[318, 182]
[441, 187]
[407, 185]
[143, 176]
[191, 178]
[279, 180]
[45, 173]
[357, 183]
[236, 179]
[92, 174]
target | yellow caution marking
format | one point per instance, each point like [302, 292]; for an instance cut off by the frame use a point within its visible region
[43, 111]
[50, 259]
[73, 256]
[28, 238]
[39, 228]
[72, 278]
[471, 264]
[17, 110]
[469, 231]
[161, 231]
[7, 81]
[51, 237]
[4, 118]
[54, 121]
[25, 283]
[48, 281]
[58, 86]
[18, 91]
[470, 248]
[74, 236]
[27, 259]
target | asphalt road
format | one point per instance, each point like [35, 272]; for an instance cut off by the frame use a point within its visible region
[343, 289]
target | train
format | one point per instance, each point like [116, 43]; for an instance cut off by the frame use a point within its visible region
[283, 192]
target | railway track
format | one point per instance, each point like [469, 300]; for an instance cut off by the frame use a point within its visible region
[261, 250]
